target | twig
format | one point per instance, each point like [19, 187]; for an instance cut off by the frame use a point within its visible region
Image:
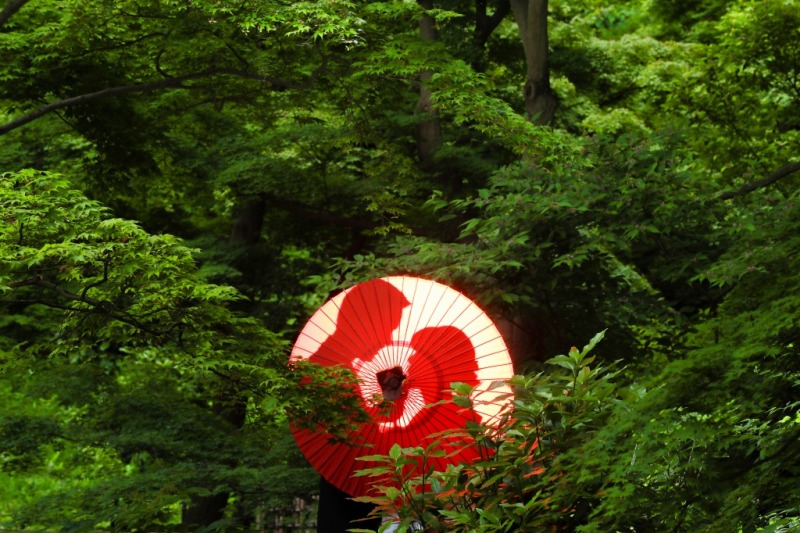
[96, 283]
[12, 7]
[96, 306]
[779, 174]
[170, 83]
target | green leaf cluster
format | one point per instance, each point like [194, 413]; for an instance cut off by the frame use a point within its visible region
[205, 174]
[146, 390]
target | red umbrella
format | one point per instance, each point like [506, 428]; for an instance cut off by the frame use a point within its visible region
[406, 339]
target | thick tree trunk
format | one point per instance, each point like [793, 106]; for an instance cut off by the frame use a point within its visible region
[429, 129]
[540, 101]
[249, 219]
[338, 513]
[203, 511]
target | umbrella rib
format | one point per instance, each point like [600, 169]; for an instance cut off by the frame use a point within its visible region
[433, 339]
[357, 326]
[435, 304]
[415, 302]
[331, 343]
[390, 362]
[415, 287]
[380, 334]
[452, 333]
[360, 321]
[394, 355]
[417, 434]
[455, 353]
[404, 350]
[346, 354]
[341, 350]
[400, 351]
[438, 424]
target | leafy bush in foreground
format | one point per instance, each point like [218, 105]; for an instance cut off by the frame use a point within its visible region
[582, 451]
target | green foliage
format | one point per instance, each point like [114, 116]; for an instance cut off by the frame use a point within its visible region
[142, 373]
[722, 457]
[527, 479]
[580, 451]
[113, 281]
[579, 242]
[143, 364]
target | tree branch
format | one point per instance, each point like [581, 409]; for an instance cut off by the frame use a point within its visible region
[173, 83]
[100, 307]
[11, 7]
[484, 24]
[779, 174]
[119, 45]
[170, 83]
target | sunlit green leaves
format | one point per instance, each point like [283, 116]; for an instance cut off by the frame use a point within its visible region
[523, 479]
[142, 353]
[645, 212]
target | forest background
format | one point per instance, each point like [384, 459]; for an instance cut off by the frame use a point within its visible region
[185, 181]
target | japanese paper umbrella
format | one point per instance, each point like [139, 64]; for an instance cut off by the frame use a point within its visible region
[406, 339]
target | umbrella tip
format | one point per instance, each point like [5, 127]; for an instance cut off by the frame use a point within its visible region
[391, 382]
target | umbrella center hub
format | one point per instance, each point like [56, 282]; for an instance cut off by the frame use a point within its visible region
[391, 382]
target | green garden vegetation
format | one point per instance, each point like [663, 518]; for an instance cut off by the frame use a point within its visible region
[183, 183]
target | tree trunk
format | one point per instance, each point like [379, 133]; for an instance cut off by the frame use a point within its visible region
[8, 11]
[249, 219]
[203, 511]
[338, 513]
[540, 101]
[485, 24]
[429, 129]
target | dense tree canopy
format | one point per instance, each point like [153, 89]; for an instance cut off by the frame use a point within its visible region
[183, 183]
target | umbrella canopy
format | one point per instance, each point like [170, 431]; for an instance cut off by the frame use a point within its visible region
[406, 339]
